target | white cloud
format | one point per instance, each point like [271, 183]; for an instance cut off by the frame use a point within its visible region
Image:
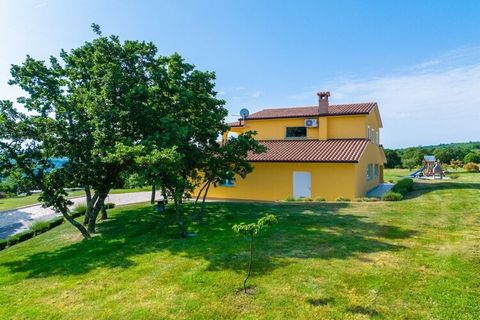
[433, 102]
[255, 94]
[40, 4]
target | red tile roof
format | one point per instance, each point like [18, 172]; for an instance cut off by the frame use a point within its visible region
[339, 109]
[234, 124]
[333, 150]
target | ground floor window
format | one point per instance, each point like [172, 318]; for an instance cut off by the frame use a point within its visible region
[369, 171]
[228, 181]
[376, 170]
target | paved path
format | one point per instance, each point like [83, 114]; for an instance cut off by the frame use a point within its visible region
[17, 220]
[379, 190]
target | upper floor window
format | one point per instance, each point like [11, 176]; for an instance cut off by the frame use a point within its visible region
[368, 133]
[296, 132]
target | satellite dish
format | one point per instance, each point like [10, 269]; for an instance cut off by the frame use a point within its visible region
[244, 113]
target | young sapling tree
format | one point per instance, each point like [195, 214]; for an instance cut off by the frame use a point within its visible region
[251, 230]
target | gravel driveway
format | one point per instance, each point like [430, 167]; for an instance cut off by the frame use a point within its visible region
[14, 221]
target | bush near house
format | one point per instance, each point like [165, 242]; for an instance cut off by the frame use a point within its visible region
[403, 186]
[392, 196]
[342, 199]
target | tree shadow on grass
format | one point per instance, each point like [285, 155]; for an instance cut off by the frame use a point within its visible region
[423, 187]
[304, 231]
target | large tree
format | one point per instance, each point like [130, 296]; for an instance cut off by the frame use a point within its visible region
[93, 107]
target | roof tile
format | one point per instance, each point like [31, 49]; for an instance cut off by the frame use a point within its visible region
[333, 150]
[311, 111]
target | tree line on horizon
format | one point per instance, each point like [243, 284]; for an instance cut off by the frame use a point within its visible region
[453, 154]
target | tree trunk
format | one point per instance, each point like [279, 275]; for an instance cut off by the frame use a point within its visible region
[88, 196]
[164, 194]
[76, 224]
[198, 196]
[249, 265]
[104, 213]
[202, 208]
[152, 198]
[92, 221]
[178, 214]
[90, 205]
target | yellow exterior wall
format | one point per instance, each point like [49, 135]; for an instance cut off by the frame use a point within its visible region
[274, 129]
[347, 127]
[331, 127]
[274, 181]
[372, 154]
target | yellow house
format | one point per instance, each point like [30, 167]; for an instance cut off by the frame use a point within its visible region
[326, 151]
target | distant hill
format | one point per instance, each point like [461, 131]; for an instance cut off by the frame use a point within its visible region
[471, 145]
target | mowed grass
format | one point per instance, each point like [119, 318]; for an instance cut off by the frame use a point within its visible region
[415, 259]
[21, 201]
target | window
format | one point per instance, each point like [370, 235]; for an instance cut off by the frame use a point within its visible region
[369, 172]
[376, 171]
[368, 132]
[378, 137]
[228, 181]
[296, 132]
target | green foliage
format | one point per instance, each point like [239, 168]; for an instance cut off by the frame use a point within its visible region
[290, 199]
[403, 186]
[55, 222]
[40, 227]
[471, 167]
[109, 205]
[342, 199]
[319, 199]
[252, 229]
[80, 209]
[472, 157]
[392, 196]
[393, 159]
[3, 244]
[453, 176]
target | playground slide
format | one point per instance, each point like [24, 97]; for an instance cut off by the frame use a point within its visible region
[416, 173]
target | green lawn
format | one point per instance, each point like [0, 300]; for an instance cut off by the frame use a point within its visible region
[15, 202]
[396, 174]
[415, 259]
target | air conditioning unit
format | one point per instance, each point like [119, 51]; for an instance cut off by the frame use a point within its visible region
[311, 123]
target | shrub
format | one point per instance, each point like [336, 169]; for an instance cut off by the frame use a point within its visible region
[3, 244]
[472, 157]
[25, 235]
[454, 176]
[392, 196]
[3, 195]
[109, 205]
[40, 227]
[403, 186]
[306, 199]
[290, 199]
[319, 199]
[55, 222]
[471, 167]
[79, 210]
[12, 240]
[342, 199]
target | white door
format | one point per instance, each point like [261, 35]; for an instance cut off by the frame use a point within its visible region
[301, 184]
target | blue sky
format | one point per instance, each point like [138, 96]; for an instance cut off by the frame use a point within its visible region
[420, 60]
